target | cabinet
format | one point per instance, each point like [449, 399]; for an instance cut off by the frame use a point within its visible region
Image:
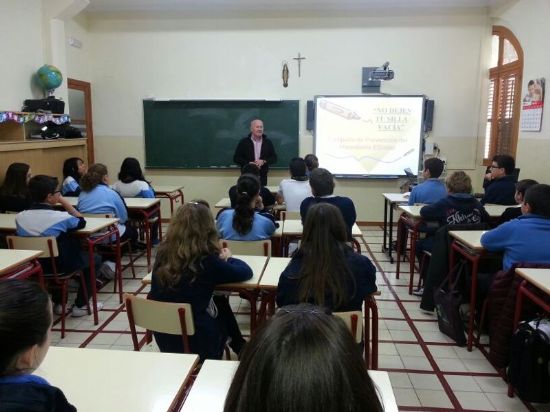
[44, 156]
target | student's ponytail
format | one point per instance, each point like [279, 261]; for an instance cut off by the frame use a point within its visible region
[248, 187]
[93, 177]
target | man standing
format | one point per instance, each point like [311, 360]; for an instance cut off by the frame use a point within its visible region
[256, 148]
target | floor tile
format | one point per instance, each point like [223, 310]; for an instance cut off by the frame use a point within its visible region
[416, 363]
[474, 400]
[491, 384]
[406, 397]
[503, 403]
[405, 349]
[462, 383]
[433, 399]
[400, 380]
[390, 362]
[425, 381]
[450, 365]
[440, 351]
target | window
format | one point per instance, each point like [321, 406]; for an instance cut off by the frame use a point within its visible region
[504, 97]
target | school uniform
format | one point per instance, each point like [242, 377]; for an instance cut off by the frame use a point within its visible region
[345, 204]
[524, 239]
[31, 393]
[263, 226]
[70, 187]
[294, 193]
[103, 199]
[428, 192]
[500, 191]
[42, 220]
[267, 197]
[12, 203]
[362, 284]
[137, 188]
[211, 329]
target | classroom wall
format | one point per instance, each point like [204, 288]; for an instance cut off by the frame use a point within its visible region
[134, 56]
[22, 52]
[528, 20]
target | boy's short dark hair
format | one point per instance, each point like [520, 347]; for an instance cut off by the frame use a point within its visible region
[321, 182]
[297, 167]
[538, 198]
[250, 168]
[507, 162]
[311, 161]
[523, 185]
[40, 186]
[435, 166]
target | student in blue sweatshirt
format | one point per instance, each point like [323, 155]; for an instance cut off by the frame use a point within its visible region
[43, 220]
[432, 189]
[25, 328]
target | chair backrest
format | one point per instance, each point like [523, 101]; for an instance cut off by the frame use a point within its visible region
[248, 247]
[290, 215]
[354, 322]
[47, 244]
[161, 317]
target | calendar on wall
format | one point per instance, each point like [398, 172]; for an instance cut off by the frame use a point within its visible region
[532, 106]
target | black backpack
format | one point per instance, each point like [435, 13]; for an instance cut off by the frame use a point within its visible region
[529, 370]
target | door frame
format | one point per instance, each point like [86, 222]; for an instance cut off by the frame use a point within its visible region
[86, 88]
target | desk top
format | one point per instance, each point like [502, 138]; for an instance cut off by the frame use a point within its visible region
[131, 202]
[12, 258]
[294, 227]
[469, 238]
[396, 197]
[210, 389]
[93, 224]
[165, 189]
[536, 276]
[272, 272]
[223, 203]
[134, 381]
[273, 189]
[496, 210]
[257, 263]
[412, 211]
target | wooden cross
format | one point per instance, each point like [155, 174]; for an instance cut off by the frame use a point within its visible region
[299, 58]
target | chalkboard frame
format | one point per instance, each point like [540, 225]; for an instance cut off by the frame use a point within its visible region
[217, 126]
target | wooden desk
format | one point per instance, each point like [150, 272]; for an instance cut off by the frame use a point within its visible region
[132, 381]
[20, 264]
[171, 192]
[408, 222]
[272, 273]
[390, 201]
[224, 203]
[467, 243]
[210, 389]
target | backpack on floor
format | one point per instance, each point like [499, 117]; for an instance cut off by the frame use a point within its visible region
[529, 370]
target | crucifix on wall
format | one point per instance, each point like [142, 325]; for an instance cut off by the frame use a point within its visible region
[299, 59]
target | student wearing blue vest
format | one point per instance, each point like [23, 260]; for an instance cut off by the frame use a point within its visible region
[526, 238]
[43, 220]
[432, 189]
[25, 333]
[131, 182]
[73, 169]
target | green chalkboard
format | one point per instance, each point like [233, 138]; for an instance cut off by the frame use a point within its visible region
[194, 134]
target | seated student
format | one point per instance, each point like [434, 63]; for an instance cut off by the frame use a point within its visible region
[515, 211]
[325, 270]
[322, 188]
[97, 197]
[332, 374]
[432, 189]
[131, 182]
[244, 222]
[292, 191]
[459, 207]
[73, 169]
[268, 199]
[526, 238]
[500, 183]
[25, 333]
[14, 193]
[43, 220]
[312, 162]
[189, 264]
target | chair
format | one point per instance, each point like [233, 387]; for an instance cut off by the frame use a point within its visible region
[163, 317]
[248, 247]
[48, 245]
[351, 319]
[111, 249]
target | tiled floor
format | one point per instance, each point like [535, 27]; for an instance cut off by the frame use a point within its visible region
[427, 370]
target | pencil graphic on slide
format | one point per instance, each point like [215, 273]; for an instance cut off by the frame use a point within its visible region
[339, 110]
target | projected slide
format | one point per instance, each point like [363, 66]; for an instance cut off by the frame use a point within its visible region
[372, 136]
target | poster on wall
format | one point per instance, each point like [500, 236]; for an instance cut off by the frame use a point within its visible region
[532, 106]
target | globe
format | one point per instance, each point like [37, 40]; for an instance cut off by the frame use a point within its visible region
[49, 77]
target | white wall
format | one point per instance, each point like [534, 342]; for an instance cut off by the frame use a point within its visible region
[528, 20]
[22, 53]
[166, 56]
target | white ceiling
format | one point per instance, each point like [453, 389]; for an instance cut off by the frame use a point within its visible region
[282, 5]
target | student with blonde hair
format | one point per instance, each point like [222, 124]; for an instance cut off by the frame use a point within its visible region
[188, 266]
